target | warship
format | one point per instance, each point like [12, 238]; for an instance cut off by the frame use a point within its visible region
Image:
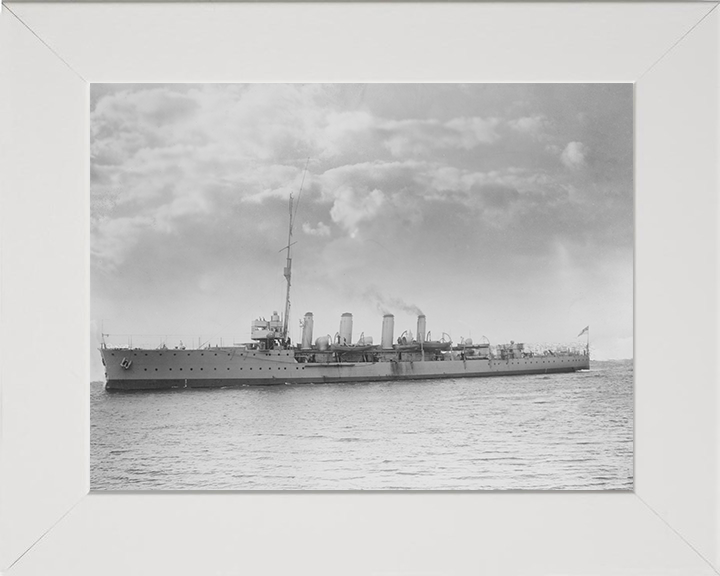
[272, 359]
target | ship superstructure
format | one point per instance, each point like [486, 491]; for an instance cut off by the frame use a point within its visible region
[271, 358]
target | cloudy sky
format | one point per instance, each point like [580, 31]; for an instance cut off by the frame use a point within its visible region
[499, 210]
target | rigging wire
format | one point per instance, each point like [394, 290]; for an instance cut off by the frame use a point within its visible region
[302, 183]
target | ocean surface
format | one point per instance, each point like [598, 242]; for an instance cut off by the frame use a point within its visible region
[544, 432]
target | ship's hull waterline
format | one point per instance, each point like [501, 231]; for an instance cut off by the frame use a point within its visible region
[223, 367]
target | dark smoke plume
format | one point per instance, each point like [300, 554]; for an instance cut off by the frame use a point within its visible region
[388, 304]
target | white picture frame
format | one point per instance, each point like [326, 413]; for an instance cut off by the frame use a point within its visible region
[49, 523]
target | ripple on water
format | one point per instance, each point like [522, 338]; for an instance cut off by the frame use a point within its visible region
[555, 432]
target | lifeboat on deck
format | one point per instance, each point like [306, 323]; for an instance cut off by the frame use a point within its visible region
[436, 345]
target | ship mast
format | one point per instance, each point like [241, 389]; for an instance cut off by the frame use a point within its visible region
[287, 272]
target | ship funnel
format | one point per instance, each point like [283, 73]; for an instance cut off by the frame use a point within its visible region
[421, 328]
[307, 331]
[345, 334]
[387, 331]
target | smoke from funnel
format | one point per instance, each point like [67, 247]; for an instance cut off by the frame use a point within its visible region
[386, 304]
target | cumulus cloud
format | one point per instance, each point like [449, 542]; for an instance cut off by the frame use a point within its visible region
[118, 237]
[416, 137]
[529, 124]
[443, 179]
[163, 151]
[321, 229]
[167, 158]
[353, 206]
[574, 155]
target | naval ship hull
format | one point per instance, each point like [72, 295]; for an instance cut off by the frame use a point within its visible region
[222, 367]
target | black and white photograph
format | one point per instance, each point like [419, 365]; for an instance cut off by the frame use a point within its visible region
[361, 287]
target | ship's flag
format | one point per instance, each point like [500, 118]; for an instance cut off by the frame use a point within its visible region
[584, 331]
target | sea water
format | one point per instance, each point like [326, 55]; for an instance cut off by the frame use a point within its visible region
[543, 432]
